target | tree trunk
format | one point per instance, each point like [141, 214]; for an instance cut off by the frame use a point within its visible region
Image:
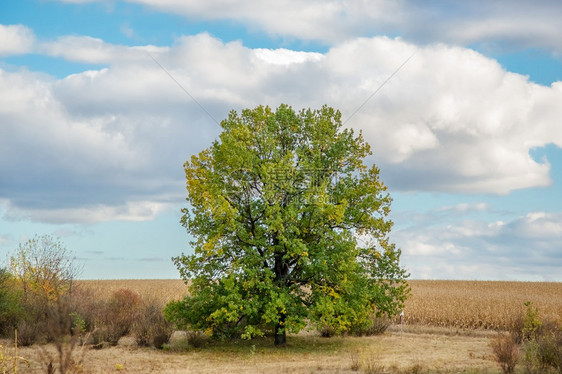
[280, 332]
[281, 270]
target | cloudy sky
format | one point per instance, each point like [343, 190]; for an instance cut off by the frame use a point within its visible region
[101, 102]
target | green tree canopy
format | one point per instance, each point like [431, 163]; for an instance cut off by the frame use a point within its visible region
[290, 229]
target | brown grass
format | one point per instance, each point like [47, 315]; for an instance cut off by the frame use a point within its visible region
[391, 353]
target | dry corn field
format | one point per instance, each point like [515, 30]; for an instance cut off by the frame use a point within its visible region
[478, 304]
[452, 304]
[161, 290]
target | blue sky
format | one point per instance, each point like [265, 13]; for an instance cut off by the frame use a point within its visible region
[93, 133]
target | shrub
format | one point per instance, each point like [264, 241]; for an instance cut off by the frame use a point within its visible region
[85, 307]
[115, 317]
[32, 324]
[531, 322]
[196, 339]
[549, 347]
[151, 328]
[11, 310]
[327, 331]
[374, 326]
[532, 365]
[369, 327]
[516, 329]
[28, 332]
[102, 337]
[506, 352]
[64, 329]
[542, 344]
[41, 273]
[44, 268]
[44, 273]
[122, 310]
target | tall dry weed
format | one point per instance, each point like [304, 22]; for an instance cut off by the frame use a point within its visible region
[506, 352]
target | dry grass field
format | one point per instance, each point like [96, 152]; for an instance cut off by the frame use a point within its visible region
[448, 326]
[393, 352]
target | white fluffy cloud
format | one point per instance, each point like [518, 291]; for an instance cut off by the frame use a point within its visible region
[133, 211]
[450, 120]
[83, 49]
[525, 247]
[94, 50]
[453, 120]
[315, 19]
[522, 23]
[53, 160]
[284, 56]
[15, 39]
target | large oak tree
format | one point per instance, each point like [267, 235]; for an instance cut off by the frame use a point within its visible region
[290, 229]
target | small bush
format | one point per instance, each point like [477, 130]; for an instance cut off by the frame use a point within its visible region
[11, 310]
[116, 316]
[102, 337]
[506, 352]
[143, 334]
[542, 342]
[41, 274]
[151, 328]
[123, 308]
[516, 329]
[86, 308]
[107, 334]
[28, 332]
[196, 339]
[43, 268]
[327, 331]
[532, 365]
[549, 347]
[177, 346]
[531, 322]
[182, 341]
[375, 326]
